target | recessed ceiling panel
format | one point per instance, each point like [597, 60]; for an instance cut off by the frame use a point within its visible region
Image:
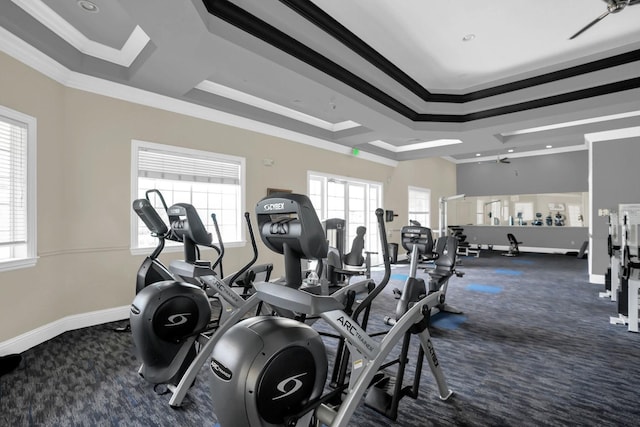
[464, 45]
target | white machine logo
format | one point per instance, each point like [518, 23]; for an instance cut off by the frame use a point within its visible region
[282, 386]
[273, 206]
[177, 319]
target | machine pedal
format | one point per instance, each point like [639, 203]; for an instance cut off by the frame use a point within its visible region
[380, 395]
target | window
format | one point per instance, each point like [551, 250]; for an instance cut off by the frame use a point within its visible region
[419, 206]
[575, 216]
[212, 183]
[17, 190]
[353, 200]
[525, 209]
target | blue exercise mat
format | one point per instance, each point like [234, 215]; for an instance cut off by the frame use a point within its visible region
[487, 289]
[444, 320]
[507, 272]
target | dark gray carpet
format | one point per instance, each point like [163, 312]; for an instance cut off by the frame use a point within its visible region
[534, 347]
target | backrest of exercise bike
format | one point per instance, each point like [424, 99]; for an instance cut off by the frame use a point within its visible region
[288, 225]
[446, 248]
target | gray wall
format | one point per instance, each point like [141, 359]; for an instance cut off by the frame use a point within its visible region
[557, 173]
[615, 180]
[538, 238]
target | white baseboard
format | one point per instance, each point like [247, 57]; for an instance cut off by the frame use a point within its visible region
[560, 251]
[598, 279]
[44, 333]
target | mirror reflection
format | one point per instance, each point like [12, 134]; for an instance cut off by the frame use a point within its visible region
[542, 210]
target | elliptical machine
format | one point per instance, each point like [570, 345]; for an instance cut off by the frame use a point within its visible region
[389, 388]
[171, 320]
[270, 371]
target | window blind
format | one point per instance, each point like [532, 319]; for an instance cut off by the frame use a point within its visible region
[164, 165]
[13, 182]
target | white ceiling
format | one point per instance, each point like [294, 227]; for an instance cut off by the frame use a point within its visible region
[520, 84]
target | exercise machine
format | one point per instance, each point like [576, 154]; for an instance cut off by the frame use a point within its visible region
[464, 247]
[340, 269]
[389, 388]
[514, 248]
[335, 230]
[443, 212]
[629, 273]
[612, 279]
[172, 320]
[444, 268]
[538, 220]
[421, 238]
[269, 371]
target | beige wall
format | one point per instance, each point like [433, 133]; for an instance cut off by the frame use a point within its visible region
[436, 174]
[84, 200]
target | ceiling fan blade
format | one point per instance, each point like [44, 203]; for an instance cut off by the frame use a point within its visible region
[591, 24]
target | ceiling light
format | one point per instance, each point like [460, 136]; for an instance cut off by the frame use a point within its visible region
[510, 150]
[549, 146]
[468, 37]
[477, 154]
[88, 6]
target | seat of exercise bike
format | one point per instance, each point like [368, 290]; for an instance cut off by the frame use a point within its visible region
[439, 272]
[295, 300]
[351, 269]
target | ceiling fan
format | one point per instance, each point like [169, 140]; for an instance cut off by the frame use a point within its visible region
[503, 160]
[613, 6]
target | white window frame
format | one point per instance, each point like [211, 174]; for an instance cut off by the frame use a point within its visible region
[370, 219]
[31, 256]
[426, 191]
[136, 145]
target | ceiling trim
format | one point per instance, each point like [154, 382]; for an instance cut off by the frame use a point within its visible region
[240, 18]
[124, 56]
